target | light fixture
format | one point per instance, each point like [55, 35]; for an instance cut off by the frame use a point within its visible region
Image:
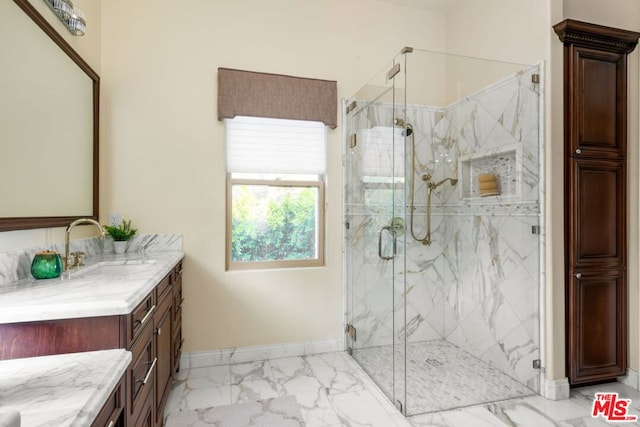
[72, 17]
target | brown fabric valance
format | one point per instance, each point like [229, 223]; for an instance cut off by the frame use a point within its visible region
[248, 93]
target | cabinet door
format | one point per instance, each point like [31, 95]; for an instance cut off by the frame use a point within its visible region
[598, 97]
[597, 214]
[163, 354]
[597, 326]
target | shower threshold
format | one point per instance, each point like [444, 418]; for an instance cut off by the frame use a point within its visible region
[440, 376]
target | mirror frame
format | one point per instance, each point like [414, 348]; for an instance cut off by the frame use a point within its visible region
[24, 223]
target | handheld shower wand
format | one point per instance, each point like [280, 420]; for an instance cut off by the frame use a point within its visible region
[432, 186]
[408, 132]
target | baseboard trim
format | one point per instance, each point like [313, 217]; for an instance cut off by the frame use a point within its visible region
[556, 389]
[201, 359]
[632, 379]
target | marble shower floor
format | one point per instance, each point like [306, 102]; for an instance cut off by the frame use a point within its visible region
[440, 376]
[333, 390]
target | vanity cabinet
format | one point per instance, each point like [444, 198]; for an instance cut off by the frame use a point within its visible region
[152, 332]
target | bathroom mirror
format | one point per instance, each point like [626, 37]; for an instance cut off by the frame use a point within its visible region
[49, 99]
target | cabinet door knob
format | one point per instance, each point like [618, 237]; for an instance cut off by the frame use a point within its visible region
[578, 151]
[578, 275]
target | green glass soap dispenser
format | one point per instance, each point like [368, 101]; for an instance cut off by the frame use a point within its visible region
[46, 265]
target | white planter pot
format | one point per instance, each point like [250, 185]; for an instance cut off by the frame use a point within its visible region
[120, 247]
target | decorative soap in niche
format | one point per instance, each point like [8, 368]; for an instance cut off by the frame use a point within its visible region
[488, 184]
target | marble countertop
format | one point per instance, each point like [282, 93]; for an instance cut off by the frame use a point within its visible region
[61, 390]
[108, 285]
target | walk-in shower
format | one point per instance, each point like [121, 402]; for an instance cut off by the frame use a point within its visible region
[446, 313]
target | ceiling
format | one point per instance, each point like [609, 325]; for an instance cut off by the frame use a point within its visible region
[435, 5]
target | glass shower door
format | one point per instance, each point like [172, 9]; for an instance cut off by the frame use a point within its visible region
[374, 248]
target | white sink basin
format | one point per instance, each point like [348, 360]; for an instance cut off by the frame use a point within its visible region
[9, 417]
[123, 269]
[114, 268]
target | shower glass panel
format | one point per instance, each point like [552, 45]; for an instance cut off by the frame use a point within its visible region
[443, 215]
[375, 204]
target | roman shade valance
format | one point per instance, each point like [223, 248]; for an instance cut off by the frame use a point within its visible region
[249, 93]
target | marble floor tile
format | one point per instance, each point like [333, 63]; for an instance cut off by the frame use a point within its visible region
[333, 390]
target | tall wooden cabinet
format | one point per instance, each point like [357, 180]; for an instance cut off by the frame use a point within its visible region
[595, 156]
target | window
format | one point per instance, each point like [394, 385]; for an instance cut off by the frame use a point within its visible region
[275, 193]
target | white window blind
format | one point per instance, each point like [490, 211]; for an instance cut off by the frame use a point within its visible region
[262, 145]
[383, 152]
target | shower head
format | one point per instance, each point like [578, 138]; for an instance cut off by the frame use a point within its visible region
[408, 127]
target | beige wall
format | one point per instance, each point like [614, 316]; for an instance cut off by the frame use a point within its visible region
[554, 209]
[502, 30]
[164, 160]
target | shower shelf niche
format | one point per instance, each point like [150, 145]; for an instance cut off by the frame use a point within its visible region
[505, 162]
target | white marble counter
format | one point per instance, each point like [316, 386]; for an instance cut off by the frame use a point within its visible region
[108, 285]
[61, 390]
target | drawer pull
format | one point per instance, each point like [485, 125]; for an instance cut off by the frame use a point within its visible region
[111, 423]
[146, 316]
[146, 377]
[159, 331]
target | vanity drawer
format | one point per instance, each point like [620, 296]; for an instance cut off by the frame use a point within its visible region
[110, 414]
[141, 316]
[164, 288]
[141, 372]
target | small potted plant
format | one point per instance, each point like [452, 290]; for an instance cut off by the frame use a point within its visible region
[120, 234]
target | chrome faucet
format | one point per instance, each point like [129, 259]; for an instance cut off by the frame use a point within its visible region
[67, 232]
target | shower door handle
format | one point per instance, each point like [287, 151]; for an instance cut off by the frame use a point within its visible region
[391, 230]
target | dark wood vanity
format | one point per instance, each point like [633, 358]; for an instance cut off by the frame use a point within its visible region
[152, 332]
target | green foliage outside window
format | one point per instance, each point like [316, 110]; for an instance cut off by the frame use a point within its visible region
[273, 223]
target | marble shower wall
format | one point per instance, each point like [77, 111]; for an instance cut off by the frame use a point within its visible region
[477, 284]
